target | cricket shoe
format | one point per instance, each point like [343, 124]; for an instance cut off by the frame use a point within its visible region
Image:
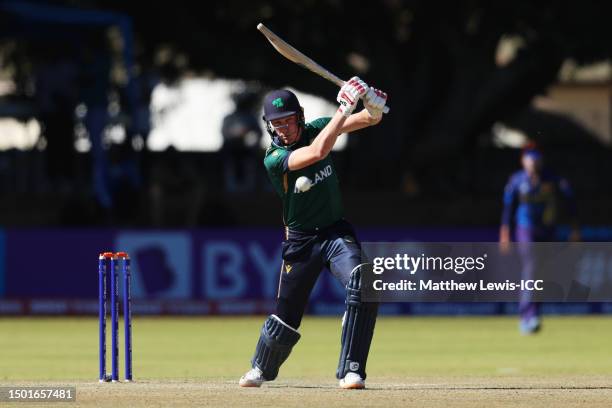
[252, 378]
[352, 381]
[530, 325]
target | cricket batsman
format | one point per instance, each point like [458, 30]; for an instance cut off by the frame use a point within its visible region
[532, 199]
[316, 235]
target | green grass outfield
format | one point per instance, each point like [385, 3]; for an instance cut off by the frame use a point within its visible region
[414, 361]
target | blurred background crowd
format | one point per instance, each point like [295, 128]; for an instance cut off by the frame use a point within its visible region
[149, 115]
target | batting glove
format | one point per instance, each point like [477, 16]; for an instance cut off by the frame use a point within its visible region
[349, 95]
[375, 101]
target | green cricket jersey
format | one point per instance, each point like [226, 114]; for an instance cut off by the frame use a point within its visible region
[321, 205]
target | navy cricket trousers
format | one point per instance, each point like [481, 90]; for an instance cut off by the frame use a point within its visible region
[305, 255]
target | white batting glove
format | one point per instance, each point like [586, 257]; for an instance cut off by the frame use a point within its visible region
[349, 95]
[375, 101]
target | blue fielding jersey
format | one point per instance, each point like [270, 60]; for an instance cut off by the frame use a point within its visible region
[537, 204]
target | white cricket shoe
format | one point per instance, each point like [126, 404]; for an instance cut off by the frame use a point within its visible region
[352, 381]
[530, 326]
[252, 378]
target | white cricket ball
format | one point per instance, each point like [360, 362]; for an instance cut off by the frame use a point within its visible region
[303, 184]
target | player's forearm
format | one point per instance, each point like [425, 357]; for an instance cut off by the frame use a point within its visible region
[348, 97]
[326, 140]
[358, 121]
[320, 146]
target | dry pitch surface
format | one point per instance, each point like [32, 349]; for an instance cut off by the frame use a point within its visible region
[393, 392]
[415, 362]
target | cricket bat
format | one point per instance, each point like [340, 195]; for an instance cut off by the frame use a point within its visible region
[297, 57]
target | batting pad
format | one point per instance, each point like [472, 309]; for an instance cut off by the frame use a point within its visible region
[274, 346]
[357, 329]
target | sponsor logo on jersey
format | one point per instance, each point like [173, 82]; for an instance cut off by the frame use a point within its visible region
[288, 268]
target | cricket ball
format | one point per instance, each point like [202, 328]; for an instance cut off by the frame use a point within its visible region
[303, 184]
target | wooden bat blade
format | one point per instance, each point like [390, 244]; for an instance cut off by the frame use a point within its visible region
[297, 57]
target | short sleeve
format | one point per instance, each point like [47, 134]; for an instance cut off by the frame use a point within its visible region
[318, 124]
[276, 161]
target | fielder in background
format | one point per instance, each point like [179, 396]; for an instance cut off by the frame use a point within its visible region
[532, 199]
[316, 234]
